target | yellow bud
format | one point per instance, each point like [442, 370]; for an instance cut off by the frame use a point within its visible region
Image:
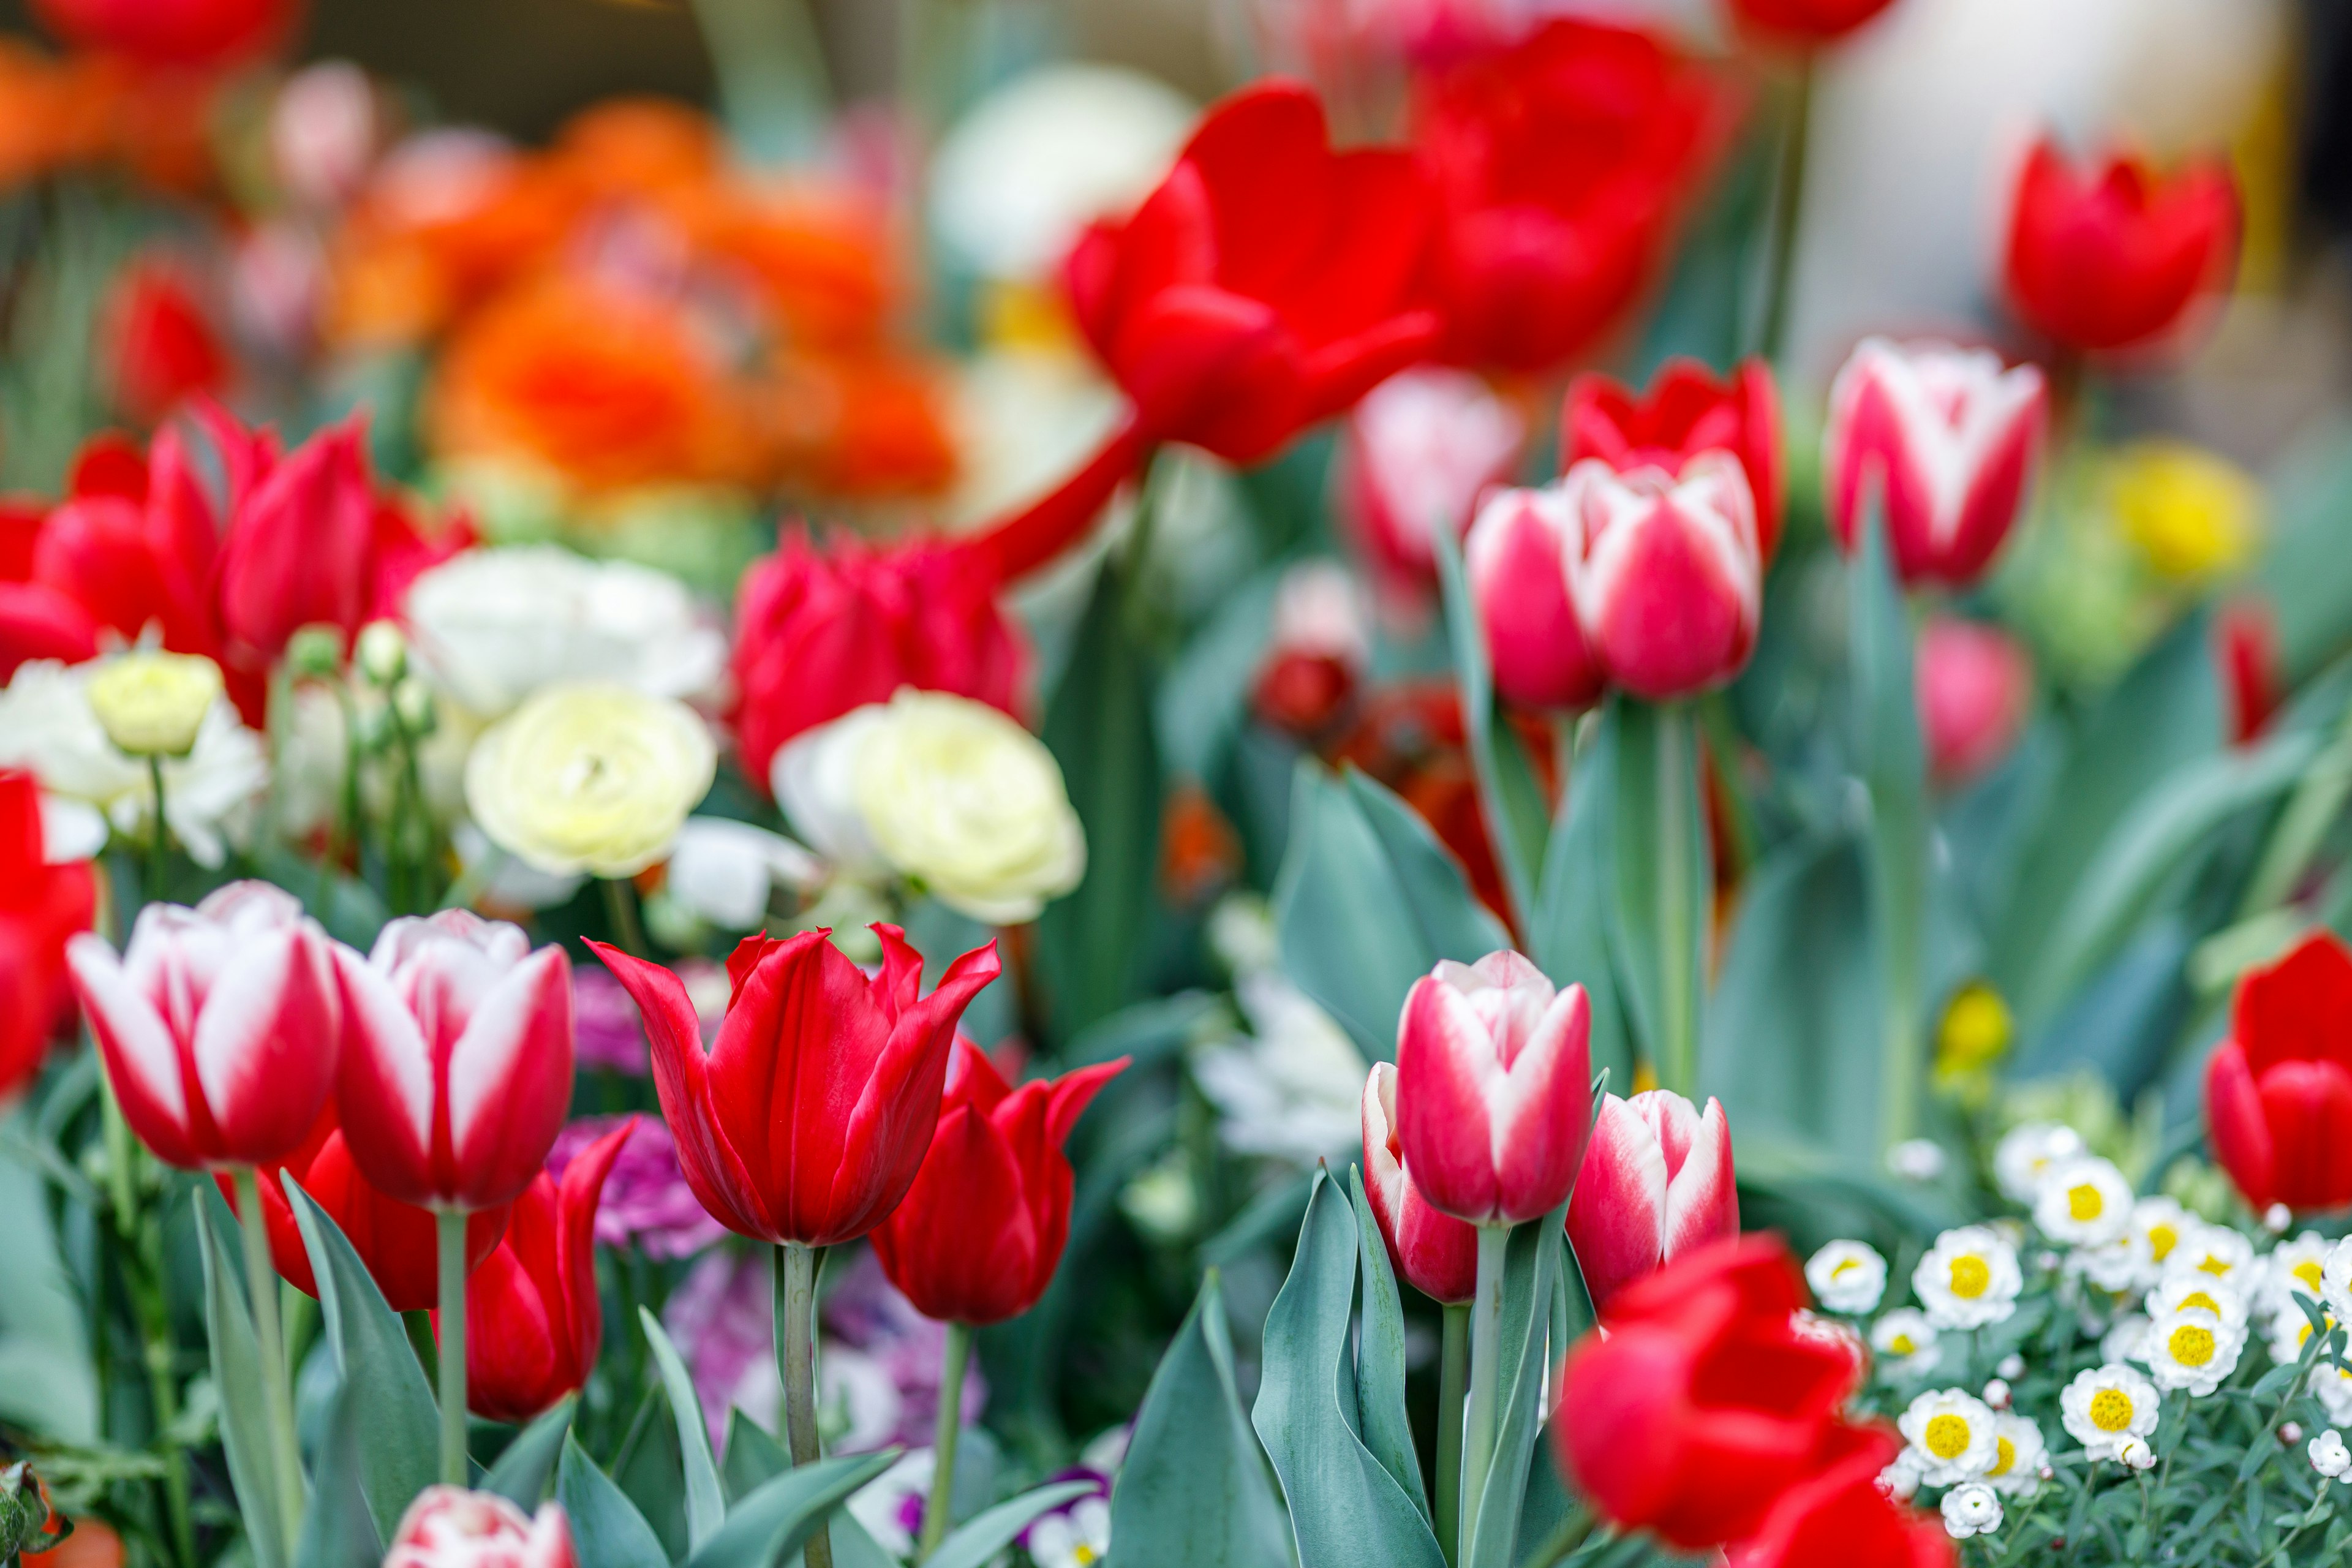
[2192, 514]
[151, 704]
[1975, 1033]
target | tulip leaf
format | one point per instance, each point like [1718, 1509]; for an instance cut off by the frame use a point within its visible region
[337, 1532]
[1662, 884]
[1195, 1491]
[1531, 1275]
[651, 1474]
[1381, 1355]
[1346, 1508]
[237, 1376]
[705, 1502]
[526, 1470]
[1517, 817]
[607, 1530]
[979, 1538]
[783, 1512]
[753, 1458]
[1568, 930]
[402, 1455]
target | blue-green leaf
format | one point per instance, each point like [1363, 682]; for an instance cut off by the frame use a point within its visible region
[1508, 791]
[337, 1531]
[1662, 882]
[978, 1540]
[527, 1468]
[237, 1375]
[1569, 932]
[753, 1458]
[1531, 1275]
[785, 1512]
[607, 1530]
[706, 1502]
[1380, 1356]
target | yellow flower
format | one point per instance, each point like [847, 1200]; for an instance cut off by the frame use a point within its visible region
[589, 777]
[1975, 1033]
[2192, 513]
[151, 704]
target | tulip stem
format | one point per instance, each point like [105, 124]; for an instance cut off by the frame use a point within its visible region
[621, 906]
[1787, 208]
[277, 1387]
[1680, 899]
[797, 1267]
[158, 843]
[949, 1427]
[1452, 1388]
[1486, 1367]
[449, 1232]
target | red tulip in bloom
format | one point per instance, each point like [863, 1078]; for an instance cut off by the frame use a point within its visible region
[1560, 164]
[532, 1319]
[171, 32]
[1809, 21]
[1685, 413]
[1517, 561]
[1493, 1093]
[1975, 685]
[2113, 257]
[302, 550]
[2254, 682]
[41, 908]
[1669, 578]
[1656, 1185]
[819, 631]
[456, 1067]
[808, 1119]
[1436, 1254]
[1266, 285]
[133, 544]
[1421, 448]
[1704, 1404]
[447, 1527]
[1841, 1514]
[218, 1025]
[2278, 1091]
[162, 347]
[978, 1236]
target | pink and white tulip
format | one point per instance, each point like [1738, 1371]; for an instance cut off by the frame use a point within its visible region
[1437, 1254]
[1975, 685]
[1493, 1093]
[447, 1527]
[1667, 572]
[1518, 562]
[456, 1067]
[1657, 1183]
[218, 1025]
[1421, 448]
[1947, 438]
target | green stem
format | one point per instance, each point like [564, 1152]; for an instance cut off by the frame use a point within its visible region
[1452, 1388]
[277, 1389]
[158, 838]
[1787, 209]
[949, 1427]
[1679, 895]
[2317, 801]
[797, 1267]
[140, 1239]
[1486, 1378]
[621, 906]
[1573, 1531]
[449, 1232]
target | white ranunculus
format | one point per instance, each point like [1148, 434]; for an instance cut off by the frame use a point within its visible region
[1294, 1086]
[589, 777]
[722, 871]
[493, 626]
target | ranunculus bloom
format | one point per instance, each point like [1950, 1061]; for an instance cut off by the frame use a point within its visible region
[1686, 412]
[589, 777]
[456, 1066]
[1419, 450]
[1656, 1185]
[2112, 258]
[1842, 1514]
[2278, 1091]
[1493, 1094]
[1809, 21]
[218, 1025]
[161, 348]
[1975, 685]
[808, 1119]
[1517, 561]
[1669, 577]
[1436, 1254]
[202, 33]
[447, 1527]
[979, 1234]
[1560, 163]
[1944, 441]
[532, 1319]
[41, 908]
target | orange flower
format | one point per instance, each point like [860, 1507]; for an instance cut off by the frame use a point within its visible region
[444, 225]
[638, 146]
[865, 426]
[818, 261]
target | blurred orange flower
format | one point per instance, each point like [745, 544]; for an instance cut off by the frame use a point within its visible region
[83, 111]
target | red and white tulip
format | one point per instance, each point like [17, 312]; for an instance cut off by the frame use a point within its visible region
[1668, 573]
[1518, 558]
[1656, 1184]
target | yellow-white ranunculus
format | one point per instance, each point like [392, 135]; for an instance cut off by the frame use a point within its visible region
[151, 704]
[589, 777]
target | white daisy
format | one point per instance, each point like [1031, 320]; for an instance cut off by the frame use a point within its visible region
[1954, 1435]
[1847, 1276]
[2083, 1202]
[2020, 1455]
[2332, 1385]
[1905, 1342]
[2290, 1332]
[2217, 1250]
[2328, 1455]
[1900, 1479]
[1969, 1279]
[2126, 1339]
[2296, 1267]
[2157, 1226]
[2192, 1348]
[2336, 1278]
[2177, 1291]
[2106, 1407]
[2025, 1153]
[2114, 1267]
[1972, 1510]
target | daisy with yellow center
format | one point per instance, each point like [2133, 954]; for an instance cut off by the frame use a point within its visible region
[1969, 1279]
[2083, 1202]
[1905, 1342]
[1953, 1436]
[2291, 1334]
[2336, 1278]
[2018, 1454]
[2191, 1349]
[2025, 1154]
[2159, 1225]
[1847, 1276]
[2190, 1290]
[2295, 1270]
[2215, 1251]
[2106, 1407]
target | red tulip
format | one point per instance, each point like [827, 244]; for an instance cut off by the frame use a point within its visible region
[1975, 688]
[2278, 1091]
[2112, 258]
[532, 1319]
[1494, 1093]
[1703, 1405]
[302, 549]
[218, 1025]
[456, 1067]
[978, 1236]
[808, 1119]
[1437, 1254]
[1560, 165]
[37, 621]
[1419, 450]
[134, 558]
[1668, 580]
[1944, 440]
[819, 631]
[1840, 1514]
[162, 346]
[1656, 1185]
[2254, 682]
[41, 908]
[1686, 412]
[446, 1527]
[1266, 286]
[1810, 21]
[1517, 559]
[201, 33]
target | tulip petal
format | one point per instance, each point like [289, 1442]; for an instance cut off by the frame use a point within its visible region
[265, 1045]
[1617, 1222]
[1073, 1092]
[142, 1060]
[1702, 1198]
[510, 1079]
[1541, 1118]
[383, 1082]
[2308, 1109]
[1443, 1125]
[963, 1243]
[2299, 1008]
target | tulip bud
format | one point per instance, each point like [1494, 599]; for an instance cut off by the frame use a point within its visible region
[2246, 648]
[151, 704]
[1974, 686]
[447, 1527]
[1518, 562]
[316, 652]
[381, 652]
[1419, 450]
[1668, 576]
[1436, 1254]
[2278, 1090]
[1657, 1183]
[412, 703]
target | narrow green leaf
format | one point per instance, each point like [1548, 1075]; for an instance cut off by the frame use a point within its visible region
[1661, 883]
[337, 1532]
[1529, 1272]
[237, 1376]
[706, 1503]
[526, 1470]
[782, 1514]
[1380, 1356]
[753, 1458]
[652, 1475]
[1569, 932]
[979, 1538]
[1513, 801]
[607, 1530]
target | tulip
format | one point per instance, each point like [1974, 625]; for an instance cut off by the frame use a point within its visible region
[532, 1311]
[41, 908]
[1437, 1254]
[302, 549]
[134, 544]
[2114, 258]
[36, 622]
[161, 350]
[1419, 450]
[1809, 21]
[1686, 412]
[198, 33]
[1656, 1185]
[1517, 561]
[1944, 440]
[2278, 1091]
[218, 1025]
[449, 1527]
[2253, 684]
[1975, 687]
[1842, 1514]
[1669, 578]
[1560, 163]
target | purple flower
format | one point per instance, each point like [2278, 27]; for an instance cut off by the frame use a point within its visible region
[866, 1313]
[609, 1033]
[722, 1320]
[646, 1200]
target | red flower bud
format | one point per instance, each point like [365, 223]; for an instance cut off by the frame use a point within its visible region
[2278, 1091]
[1656, 1185]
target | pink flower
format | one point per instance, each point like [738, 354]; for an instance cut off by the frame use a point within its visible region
[1420, 449]
[608, 1034]
[1657, 1183]
[1437, 1254]
[1668, 576]
[447, 1527]
[1975, 685]
[648, 1204]
[1518, 562]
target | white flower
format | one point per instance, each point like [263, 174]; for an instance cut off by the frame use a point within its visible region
[2019, 1458]
[2328, 1455]
[2126, 1340]
[2336, 1278]
[1916, 1159]
[1294, 1086]
[2181, 1291]
[2026, 1153]
[1969, 1279]
[722, 871]
[2332, 1385]
[1900, 1479]
[1954, 1433]
[883, 1504]
[1999, 1394]
[2106, 1407]
[2083, 1202]
[589, 777]
[2114, 1267]
[2290, 1334]
[2159, 1225]
[2191, 1348]
[493, 626]
[1905, 1340]
[1971, 1509]
[2296, 1269]
[1847, 1276]
[2215, 1251]
[1241, 932]
[2136, 1454]
[1078, 1539]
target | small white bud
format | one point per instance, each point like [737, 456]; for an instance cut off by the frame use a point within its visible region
[2328, 1455]
[2290, 1433]
[2136, 1454]
[2276, 1218]
[2012, 1366]
[1916, 1159]
[383, 653]
[1996, 1394]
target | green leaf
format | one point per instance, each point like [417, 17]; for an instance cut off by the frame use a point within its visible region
[782, 1514]
[1195, 1491]
[527, 1468]
[1531, 1275]
[402, 1455]
[47, 1385]
[1345, 1506]
[650, 1473]
[978, 1540]
[705, 1502]
[1569, 935]
[1380, 1356]
[607, 1530]
[753, 1458]
[337, 1532]
[1508, 792]
[1662, 875]
[236, 1377]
